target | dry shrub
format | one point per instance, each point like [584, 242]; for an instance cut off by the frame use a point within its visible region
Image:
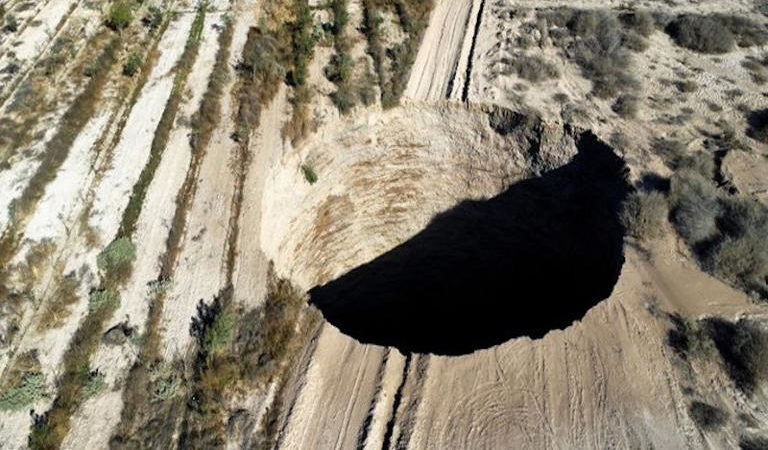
[669, 150]
[695, 208]
[706, 416]
[57, 309]
[701, 33]
[600, 44]
[726, 232]
[532, 68]
[758, 125]
[716, 33]
[644, 214]
[743, 346]
[626, 106]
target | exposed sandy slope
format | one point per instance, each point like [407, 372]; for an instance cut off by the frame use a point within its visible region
[608, 381]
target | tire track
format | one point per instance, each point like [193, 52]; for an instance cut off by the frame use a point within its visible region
[475, 33]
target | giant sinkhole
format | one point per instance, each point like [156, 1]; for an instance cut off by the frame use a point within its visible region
[448, 229]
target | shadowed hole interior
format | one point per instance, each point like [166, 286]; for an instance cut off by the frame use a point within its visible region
[534, 258]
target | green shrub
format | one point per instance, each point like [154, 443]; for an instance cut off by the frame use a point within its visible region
[30, 390]
[154, 18]
[120, 15]
[95, 384]
[219, 335]
[309, 173]
[117, 257]
[132, 66]
[706, 416]
[164, 383]
[644, 214]
[101, 298]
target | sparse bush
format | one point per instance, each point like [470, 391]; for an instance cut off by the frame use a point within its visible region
[101, 298]
[120, 15]
[309, 173]
[706, 416]
[56, 310]
[758, 125]
[695, 208]
[687, 86]
[644, 214]
[669, 150]
[626, 106]
[532, 68]
[154, 18]
[117, 258]
[11, 24]
[164, 383]
[95, 384]
[30, 390]
[132, 66]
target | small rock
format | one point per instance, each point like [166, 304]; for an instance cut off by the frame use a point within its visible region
[118, 334]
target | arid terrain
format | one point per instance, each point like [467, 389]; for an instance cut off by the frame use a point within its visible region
[383, 224]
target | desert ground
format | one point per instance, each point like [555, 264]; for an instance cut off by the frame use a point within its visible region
[383, 224]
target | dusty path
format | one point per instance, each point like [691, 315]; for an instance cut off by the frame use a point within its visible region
[436, 68]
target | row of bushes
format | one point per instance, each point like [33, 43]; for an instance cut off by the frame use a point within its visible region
[741, 346]
[725, 231]
[152, 394]
[393, 64]
[240, 350]
[350, 90]
[78, 382]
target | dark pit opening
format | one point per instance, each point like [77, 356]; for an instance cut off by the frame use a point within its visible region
[532, 259]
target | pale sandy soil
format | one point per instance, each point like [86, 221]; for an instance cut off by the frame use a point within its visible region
[23, 162]
[52, 344]
[32, 40]
[151, 234]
